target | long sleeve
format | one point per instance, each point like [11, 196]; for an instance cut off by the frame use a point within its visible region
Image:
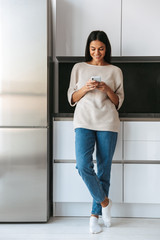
[119, 88]
[73, 85]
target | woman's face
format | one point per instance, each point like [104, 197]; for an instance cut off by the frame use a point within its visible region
[97, 51]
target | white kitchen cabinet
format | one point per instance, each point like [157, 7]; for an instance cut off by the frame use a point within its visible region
[142, 141]
[76, 19]
[142, 150]
[116, 187]
[135, 184]
[141, 183]
[140, 28]
[142, 131]
[118, 151]
[64, 142]
[69, 187]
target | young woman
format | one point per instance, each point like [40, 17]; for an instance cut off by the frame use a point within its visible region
[96, 121]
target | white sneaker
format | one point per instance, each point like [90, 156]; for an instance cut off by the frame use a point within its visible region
[106, 214]
[94, 227]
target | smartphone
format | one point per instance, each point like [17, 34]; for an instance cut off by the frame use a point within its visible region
[96, 78]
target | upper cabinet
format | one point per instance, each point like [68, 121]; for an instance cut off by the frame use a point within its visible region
[76, 19]
[140, 28]
[131, 25]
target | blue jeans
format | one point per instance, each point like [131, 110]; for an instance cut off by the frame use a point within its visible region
[98, 184]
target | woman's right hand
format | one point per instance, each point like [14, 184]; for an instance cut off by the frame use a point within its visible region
[89, 86]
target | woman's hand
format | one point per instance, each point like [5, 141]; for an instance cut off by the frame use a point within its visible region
[102, 86]
[89, 86]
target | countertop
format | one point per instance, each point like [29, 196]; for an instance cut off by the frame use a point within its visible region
[123, 117]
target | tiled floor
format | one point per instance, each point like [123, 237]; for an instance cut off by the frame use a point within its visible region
[75, 228]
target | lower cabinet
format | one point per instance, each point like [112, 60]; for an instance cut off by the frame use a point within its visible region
[142, 150]
[69, 187]
[141, 183]
[135, 174]
[141, 141]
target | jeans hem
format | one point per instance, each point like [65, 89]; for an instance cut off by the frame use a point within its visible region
[97, 214]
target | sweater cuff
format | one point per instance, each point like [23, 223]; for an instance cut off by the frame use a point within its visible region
[120, 102]
[70, 98]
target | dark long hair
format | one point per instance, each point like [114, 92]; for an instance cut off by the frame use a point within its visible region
[101, 36]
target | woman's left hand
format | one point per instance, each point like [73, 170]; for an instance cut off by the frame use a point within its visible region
[102, 86]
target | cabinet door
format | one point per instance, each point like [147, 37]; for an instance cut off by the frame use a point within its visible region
[64, 142]
[141, 183]
[142, 150]
[141, 131]
[76, 19]
[115, 192]
[140, 24]
[143, 137]
[69, 187]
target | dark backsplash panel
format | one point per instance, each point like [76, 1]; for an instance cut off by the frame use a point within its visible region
[64, 79]
[141, 84]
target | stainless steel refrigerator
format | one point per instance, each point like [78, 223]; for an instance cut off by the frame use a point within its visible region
[24, 117]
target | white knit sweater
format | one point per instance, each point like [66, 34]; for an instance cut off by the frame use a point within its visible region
[95, 110]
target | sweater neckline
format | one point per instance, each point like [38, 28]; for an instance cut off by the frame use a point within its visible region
[91, 65]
